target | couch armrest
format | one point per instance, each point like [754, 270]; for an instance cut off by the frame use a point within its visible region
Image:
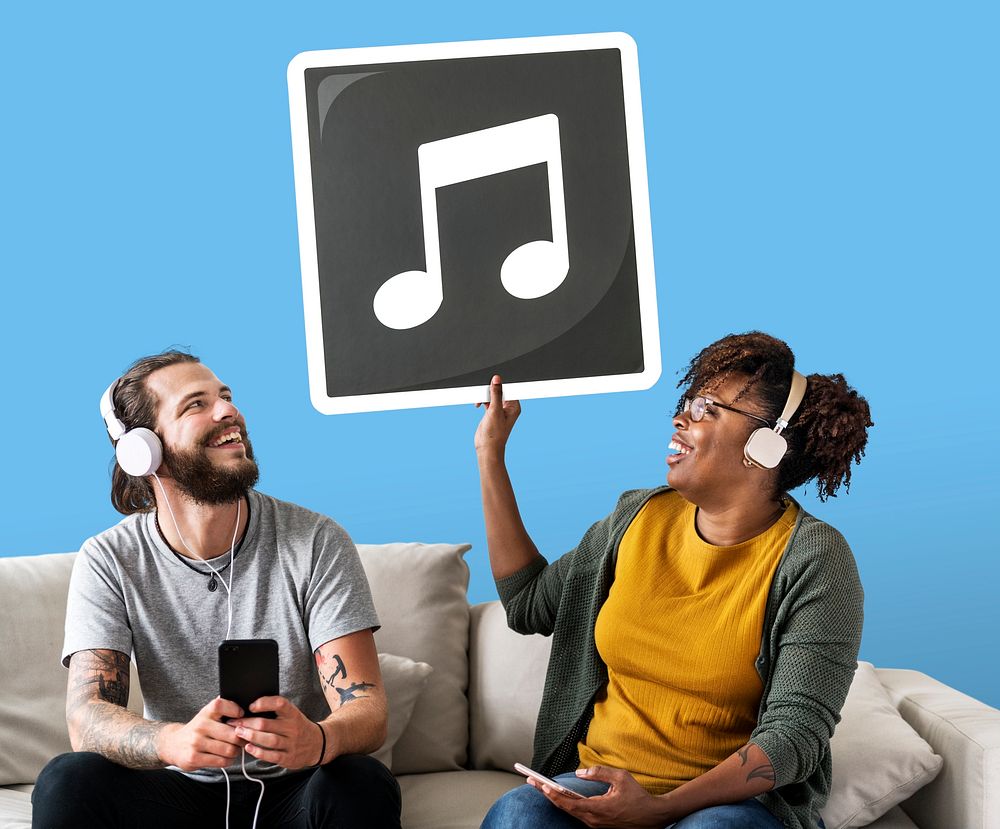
[966, 733]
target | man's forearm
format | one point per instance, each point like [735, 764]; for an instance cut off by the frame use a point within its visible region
[357, 728]
[96, 714]
[742, 775]
[118, 734]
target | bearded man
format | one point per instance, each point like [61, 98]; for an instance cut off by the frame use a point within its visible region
[202, 557]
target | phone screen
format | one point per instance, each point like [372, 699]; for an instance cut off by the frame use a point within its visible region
[248, 670]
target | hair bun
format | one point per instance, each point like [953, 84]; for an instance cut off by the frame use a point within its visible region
[835, 420]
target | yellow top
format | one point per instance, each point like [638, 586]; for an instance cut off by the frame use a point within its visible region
[680, 633]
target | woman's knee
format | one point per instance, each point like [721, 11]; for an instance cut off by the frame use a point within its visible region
[750, 814]
[520, 807]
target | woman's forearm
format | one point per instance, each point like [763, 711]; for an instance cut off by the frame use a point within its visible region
[742, 775]
[510, 547]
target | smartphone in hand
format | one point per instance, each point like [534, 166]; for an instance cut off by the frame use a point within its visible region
[248, 670]
[541, 778]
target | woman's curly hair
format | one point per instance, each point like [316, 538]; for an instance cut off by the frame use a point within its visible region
[830, 428]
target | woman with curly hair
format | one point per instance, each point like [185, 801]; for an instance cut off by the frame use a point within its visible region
[705, 634]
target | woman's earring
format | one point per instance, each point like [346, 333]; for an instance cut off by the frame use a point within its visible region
[748, 463]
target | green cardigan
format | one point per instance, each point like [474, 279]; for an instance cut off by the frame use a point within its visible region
[808, 653]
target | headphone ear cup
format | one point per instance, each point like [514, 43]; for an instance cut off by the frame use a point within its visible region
[139, 452]
[765, 448]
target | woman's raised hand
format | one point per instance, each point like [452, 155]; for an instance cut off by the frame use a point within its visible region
[497, 422]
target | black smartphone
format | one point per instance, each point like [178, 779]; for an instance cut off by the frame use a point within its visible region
[248, 670]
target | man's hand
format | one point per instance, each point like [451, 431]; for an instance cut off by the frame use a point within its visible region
[205, 741]
[498, 421]
[626, 805]
[291, 740]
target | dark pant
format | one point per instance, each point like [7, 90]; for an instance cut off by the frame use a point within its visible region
[85, 789]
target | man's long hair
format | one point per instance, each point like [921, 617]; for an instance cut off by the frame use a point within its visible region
[136, 407]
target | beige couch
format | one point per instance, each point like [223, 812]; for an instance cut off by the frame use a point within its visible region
[458, 726]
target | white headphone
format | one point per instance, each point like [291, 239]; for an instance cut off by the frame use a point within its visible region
[139, 451]
[766, 447]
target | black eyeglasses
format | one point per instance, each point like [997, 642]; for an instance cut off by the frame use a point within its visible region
[696, 409]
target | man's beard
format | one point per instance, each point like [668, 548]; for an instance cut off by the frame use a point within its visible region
[204, 482]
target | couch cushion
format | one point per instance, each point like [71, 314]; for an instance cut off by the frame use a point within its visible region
[452, 800]
[403, 680]
[33, 696]
[878, 760]
[895, 818]
[506, 675]
[32, 683]
[15, 809]
[420, 595]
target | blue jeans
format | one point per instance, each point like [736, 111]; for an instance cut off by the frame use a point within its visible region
[527, 808]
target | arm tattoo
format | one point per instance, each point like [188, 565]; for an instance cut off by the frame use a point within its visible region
[95, 702]
[338, 668]
[330, 669]
[351, 693]
[97, 675]
[105, 672]
[764, 772]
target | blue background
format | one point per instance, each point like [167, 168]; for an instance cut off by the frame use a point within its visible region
[827, 173]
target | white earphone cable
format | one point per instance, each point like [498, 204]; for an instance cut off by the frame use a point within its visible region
[260, 799]
[232, 552]
[229, 629]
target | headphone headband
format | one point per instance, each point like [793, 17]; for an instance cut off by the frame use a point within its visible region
[138, 451]
[795, 395]
[115, 427]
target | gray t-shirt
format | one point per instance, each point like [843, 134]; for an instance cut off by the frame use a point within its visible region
[298, 580]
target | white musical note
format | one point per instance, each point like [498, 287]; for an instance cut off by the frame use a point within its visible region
[531, 270]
